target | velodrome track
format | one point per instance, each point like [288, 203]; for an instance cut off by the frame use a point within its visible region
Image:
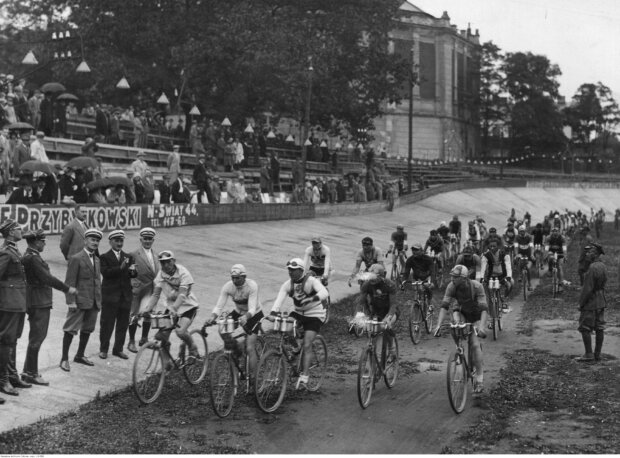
[264, 248]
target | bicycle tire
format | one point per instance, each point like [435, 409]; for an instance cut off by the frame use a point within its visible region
[554, 282]
[390, 371]
[195, 372]
[365, 378]
[318, 363]
[499, 313]
[223, 384]
[327, 304]
[415, 323]
[271, 380]
[148, 373]
[260, 346]
[456, 378]
[495, 319]
[524, 281]
[394, 271]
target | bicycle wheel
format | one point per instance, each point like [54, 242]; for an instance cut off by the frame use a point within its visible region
[260, 346]
[394, 271]
[318, 363]
[495, 319]
[327, 304]
[499, 312]
[270, 384]
[415, 323]
[390, 371]
[524, 284]
[223, 385]
[148, 373]
[195, 369]
[456, 378]
[554, 281]
[365, 378]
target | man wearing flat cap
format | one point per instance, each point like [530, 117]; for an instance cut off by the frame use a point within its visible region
[38, 302]
[147, 266]
[12, 306]
[117, 269]
[592, 303]
[84, 274]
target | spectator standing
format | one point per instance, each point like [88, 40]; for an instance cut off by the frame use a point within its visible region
[164, 190]
[5, 159]
[174, 163]
[266, 185]
[308, 193]
[37, 150]
[239, 155]
[34, 106]
[341, 190]
[216, 191]
[296, 172]
[147, 268]
[12, 307]
[83, 274]
[21, 105]
[9, 109]
[21, 154]
[117, 270]
[179, 130]
[47, 114]
[362, 188]
[230, 154]
[73, 235]
[274, 166]
[138, 128]
[202, 178]
[116, 135]
[60, 118]
[103, 127]
[139, 166]
[149, 187]
[38, 302]
[179, 193]
[80, 194]
[332, 191]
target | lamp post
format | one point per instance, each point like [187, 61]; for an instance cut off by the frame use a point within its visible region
[413, 80]
[304, 146]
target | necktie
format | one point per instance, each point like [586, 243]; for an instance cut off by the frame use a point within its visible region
[150, 257]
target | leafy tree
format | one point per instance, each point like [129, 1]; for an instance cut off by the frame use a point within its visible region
[491, 84]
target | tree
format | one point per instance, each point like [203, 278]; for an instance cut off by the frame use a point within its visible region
[491, 85]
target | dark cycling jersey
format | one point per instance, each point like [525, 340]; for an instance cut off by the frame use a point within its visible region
[455, 227]
[399, 238]
[443, 232]
[524, 245]
[556, 244]
[537, 236]
[421, 265]
[435, 243]
[379, 295]
[509, 236]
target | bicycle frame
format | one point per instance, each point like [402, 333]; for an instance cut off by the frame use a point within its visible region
[420, 301]
[457, 383]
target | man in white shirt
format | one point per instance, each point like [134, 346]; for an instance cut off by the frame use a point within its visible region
[139, 166]
[37, 150]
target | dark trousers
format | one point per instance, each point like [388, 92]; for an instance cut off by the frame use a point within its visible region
[205, 187]
[114, 315]
[11, 327]
[39, 319]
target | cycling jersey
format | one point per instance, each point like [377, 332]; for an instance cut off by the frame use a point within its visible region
[509, 236]
[443, 232]
[546, 227]
[435, 243]
[468, 298]
[398, 239]
[368, 260]
[537, 235]
[471, 262]
[524, 245]
[245, 298]
[493, 238]
[455, 227]
[421, 265]
[496, 264]
[308, 295]
[169, 285]
[473, 233]
[375, 298]
[556, 244]
[319, 261]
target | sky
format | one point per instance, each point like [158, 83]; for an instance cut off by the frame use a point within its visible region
[581, 36]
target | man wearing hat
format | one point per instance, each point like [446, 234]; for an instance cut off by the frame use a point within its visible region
[117, 270]
[202, 178]
[164, 189]
[12, 306]
[73, 234]
[592, 303]
[139, 166]
[84, 274]
[37, 150]
[147, 267]
[38, 302]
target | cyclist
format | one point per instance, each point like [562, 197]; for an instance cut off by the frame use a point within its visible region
[376, 300]
[468, 299]
[546, 225]
[470, 260]
[493, 236]
[420, 264]
[496, 263]
[482, 228]
[444, 232]
[473, 236]
[175, 282]
[527, 219]
[509, 235]
[557, 244]
[398, 245]
[455, 227]
[512, 218]
[308, 294]
[369, 255]
[435, 243]
[538, 234]
[247, 310]
[317, 259]
[524, 247]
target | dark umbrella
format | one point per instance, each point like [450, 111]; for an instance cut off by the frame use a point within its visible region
[53, 87]
[100, 183]
[68, 96]
[82, 162]
[20, 126]
[38, 166]
[119, 180]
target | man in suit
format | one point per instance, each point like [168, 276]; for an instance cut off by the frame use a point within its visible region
[117, 269]
[202, 178]
[179, 192]
[84, 274]
[164, 190]
[72, 238]
[147, 266]
[38, 302]
[12, 307]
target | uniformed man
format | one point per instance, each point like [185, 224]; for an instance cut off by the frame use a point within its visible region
[592, 304]
[38, 302]
[12, 306]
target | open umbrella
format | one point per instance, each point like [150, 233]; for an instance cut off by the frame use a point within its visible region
[82, 162]
[20, 126]
[53, 87]
[100, 183]
[119, 180]
[68, 96]
[38, 166]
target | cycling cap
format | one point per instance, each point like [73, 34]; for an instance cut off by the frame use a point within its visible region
[492, 230]
[165, 255]
[416, 247]
[400, 226]
[367, 240]
[459, 271]
[443, 224]
[522, 228]
[316, 239]
[295, 263]
[237, 270]
[377, 269]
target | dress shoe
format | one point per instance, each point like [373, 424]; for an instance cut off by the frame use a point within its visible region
[64, 365]
[120, 354]
[35, 379]
[7, 388]
[103, 355]
[83, 360]
[19, 383]
[132, 347]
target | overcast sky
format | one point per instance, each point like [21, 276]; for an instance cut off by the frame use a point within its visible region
[581, 36]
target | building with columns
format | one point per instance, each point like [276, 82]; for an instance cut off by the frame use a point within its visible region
[444, 99]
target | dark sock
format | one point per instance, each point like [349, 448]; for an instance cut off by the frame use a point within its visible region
[146, 327]
[83, 341]
[66, 343]
[132, 332]
[600, 335]
[587, 342]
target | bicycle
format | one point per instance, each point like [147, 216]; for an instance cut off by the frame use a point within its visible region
[371, 368]
[459, 371]
[272, 373]
[398, 264]
[226, 370]
[538, 257]
[496, 301]
[149, 371]
[420, 311]
[436, 271]
[327, 302]
[525, 283]
[454, 247]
